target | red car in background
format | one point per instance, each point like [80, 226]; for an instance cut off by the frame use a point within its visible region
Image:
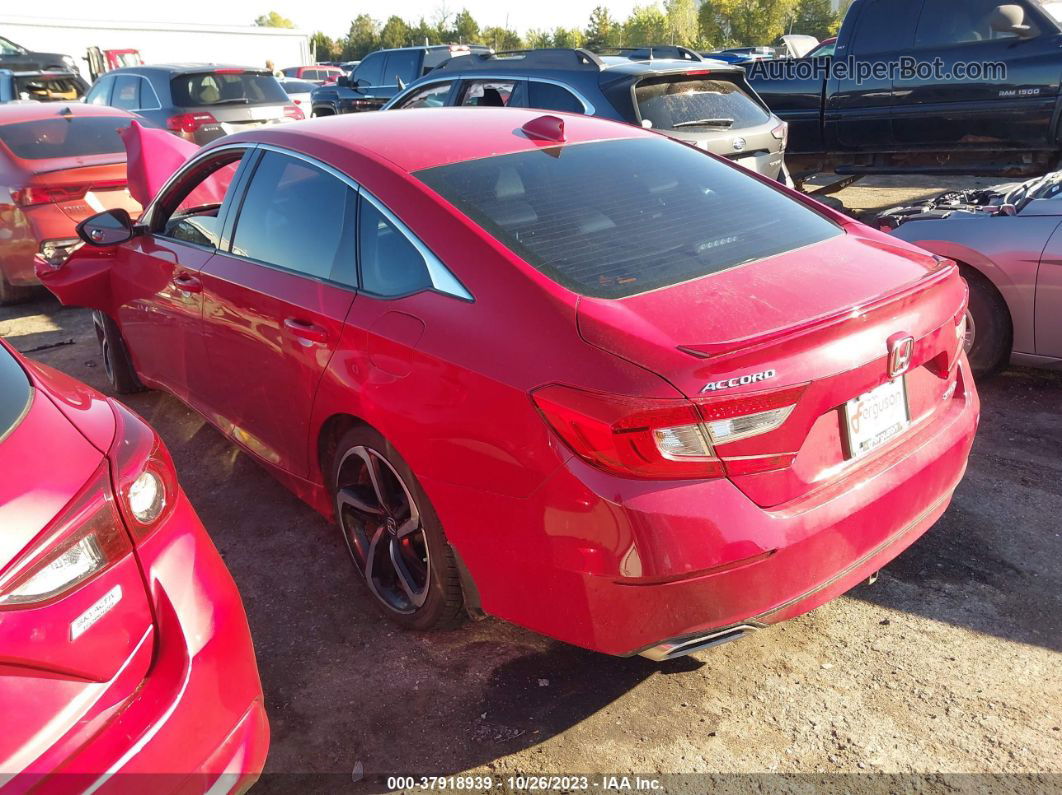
[563, 370]
[314, 74]
[125, 647]
[59, 164]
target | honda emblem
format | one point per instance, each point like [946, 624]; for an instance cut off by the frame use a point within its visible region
[901, 348]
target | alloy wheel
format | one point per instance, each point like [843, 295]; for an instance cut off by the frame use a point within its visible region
[382, 527]
[971, 332]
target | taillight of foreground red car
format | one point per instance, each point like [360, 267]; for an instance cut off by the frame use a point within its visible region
[565, 371]
[124, 646]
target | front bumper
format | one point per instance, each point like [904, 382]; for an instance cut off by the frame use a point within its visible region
[622, 566]
[197, 719]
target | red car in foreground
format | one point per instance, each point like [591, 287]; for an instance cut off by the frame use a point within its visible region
[59, 164]
[124, 647]
[562, 370]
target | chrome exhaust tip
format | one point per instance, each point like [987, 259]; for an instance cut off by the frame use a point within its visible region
[680, 647]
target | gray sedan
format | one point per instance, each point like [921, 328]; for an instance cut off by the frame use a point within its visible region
[1008, 241]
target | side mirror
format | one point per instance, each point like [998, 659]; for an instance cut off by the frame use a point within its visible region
[343, 80]
[1011, 19]
[107, 228]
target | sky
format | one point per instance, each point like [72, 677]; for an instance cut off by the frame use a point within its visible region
[334, 18]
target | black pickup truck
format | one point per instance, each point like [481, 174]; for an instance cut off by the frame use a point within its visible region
[926, 86]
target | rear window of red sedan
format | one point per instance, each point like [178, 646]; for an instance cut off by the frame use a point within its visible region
[15, 392]
[64, 136]
[614, 218]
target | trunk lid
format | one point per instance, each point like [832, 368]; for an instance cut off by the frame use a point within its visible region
[821, 316]
[65, 661]
[83, 191]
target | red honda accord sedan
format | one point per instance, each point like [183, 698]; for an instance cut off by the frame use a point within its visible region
[124, 648]
[59, 164]
[557, 369]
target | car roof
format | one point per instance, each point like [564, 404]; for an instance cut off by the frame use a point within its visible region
[11, 113]
[573, 61]
[412, 140]
[183, 68]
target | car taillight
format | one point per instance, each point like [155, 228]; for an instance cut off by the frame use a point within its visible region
[665, 438]
[144, 478]
[87, 538]
[781, 132]
[48, 194]
[189, 122]
[294, 112]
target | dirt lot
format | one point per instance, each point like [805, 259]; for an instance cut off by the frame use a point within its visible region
[950, 663]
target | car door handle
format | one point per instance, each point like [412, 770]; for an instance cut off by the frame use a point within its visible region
[306, 331]
[189, 284]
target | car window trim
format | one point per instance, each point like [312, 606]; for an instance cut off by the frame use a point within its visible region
[442, 278]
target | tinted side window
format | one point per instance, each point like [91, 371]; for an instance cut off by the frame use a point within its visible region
[391, 266]
[370, 70]
[298, 217]
[126, 92]
[100, 93]
[433, 96]
[149, 100]
[947, 22]
[401, 65]
[879, 24]
[548, 96]
[488, 93]
[291, 71]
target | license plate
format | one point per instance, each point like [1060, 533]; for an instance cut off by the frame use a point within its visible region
[265, 113]
[876, 417]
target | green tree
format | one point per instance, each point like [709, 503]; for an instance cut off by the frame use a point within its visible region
[501, 39]
[465, 29]
[324, 47]
[536, 39]
[603, 31]
[728, 23]
[815, 18]
[361, 39]
[273, 20]
[568, 37]
[395, 33]
[646, 25]
[683, 26]
[424, 33]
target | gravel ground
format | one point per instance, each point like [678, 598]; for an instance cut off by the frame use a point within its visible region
[949, 664]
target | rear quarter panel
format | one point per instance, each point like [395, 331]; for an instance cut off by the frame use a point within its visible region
[1004, 249]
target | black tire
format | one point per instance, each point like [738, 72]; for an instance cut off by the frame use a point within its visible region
[116, 360]
[413, 579]
[13, 294]
[990, 333]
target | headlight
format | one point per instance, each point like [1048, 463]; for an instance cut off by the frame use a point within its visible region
[56, 252]
[147, 497]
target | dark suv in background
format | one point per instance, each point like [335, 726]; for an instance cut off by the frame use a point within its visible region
[199, 102]
[382, 75]
[708, 104]
[18, 58]
[41, 86]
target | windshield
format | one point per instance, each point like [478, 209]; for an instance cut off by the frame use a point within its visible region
[15, 392]
[8, 47]
[689, 102]
[616, 218]
[1054, 9]
[64, 136]
[206, 89]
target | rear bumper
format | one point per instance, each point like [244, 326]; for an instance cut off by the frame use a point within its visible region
[623, 566]
[197, 719]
